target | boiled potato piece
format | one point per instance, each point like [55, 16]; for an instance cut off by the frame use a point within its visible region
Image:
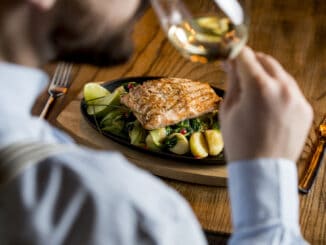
[214, 141]
[158, 135]
[150, 143]
[198, 145]
[182, 145]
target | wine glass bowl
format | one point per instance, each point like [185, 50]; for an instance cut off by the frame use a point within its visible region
[206, 31]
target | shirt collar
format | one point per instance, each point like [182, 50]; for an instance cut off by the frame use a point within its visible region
[20, 86]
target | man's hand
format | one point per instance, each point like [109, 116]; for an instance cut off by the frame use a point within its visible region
[264, 114]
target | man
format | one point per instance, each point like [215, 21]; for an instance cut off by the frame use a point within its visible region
[63, 199]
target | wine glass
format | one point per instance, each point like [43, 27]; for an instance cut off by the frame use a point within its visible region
[204, 30]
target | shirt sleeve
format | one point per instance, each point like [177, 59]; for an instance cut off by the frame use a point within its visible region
[264, 201]
[97, 198]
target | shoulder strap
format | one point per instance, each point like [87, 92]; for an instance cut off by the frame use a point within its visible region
[15, 158]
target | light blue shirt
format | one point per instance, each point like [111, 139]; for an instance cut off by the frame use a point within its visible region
[97, 197]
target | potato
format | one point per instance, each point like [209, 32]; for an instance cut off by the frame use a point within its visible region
[150, 143]
[214, 141]
[198, 145]
[182, 145]
[158, 135]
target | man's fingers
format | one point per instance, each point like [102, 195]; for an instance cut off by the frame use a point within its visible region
[249, 70]
[275, 69]
[271, 66]
[233, 88]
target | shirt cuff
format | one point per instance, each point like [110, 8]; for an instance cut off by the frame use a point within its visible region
[263, 190]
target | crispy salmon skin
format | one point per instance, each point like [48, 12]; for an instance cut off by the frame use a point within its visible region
[166, 101]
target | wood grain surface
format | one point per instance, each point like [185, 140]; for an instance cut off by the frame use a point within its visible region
[292, 31]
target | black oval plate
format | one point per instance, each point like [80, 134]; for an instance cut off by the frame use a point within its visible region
[111, 85]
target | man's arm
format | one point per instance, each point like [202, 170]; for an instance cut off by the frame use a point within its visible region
[265, 202]
[262, 103]
[93, 197]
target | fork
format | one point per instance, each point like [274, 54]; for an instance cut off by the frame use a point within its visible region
[310, 174]
[58, 86]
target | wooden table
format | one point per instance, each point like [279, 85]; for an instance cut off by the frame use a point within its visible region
[295, 33]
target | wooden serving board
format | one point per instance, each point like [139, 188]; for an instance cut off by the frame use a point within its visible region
[72, 121]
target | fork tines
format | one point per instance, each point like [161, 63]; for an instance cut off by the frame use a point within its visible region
[61, 75]
[59, 85]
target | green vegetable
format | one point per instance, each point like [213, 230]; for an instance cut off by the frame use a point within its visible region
[170, 142]
[113, 122]
[137, 134]
[188, 126]
[215, 125]
[110, 117]
[182, 126]
[100, 107]
[169, 130]
[115, 127]
[196, 124]
[209, 121]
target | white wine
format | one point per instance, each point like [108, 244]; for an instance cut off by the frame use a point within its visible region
[208, 38]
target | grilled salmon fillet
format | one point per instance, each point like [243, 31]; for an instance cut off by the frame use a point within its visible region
[166, 101]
